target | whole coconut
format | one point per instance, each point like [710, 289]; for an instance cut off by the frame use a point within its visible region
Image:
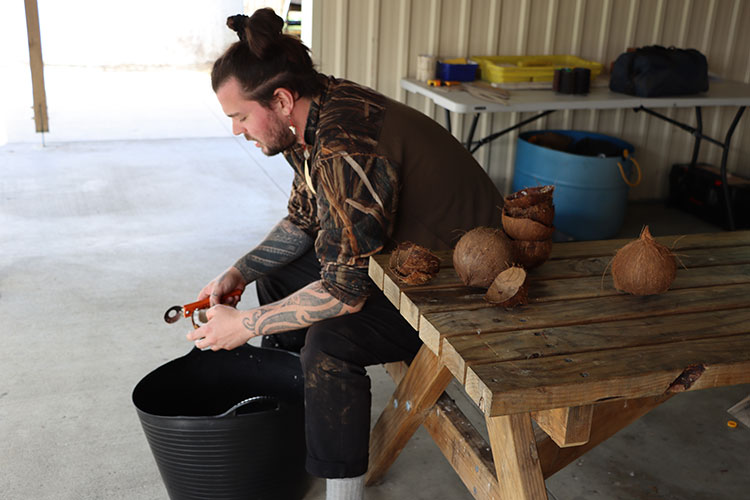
[643, 266]
[480, 255]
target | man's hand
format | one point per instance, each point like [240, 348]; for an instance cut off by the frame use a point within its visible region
[228, 328]
[227, 282]
[225, 329]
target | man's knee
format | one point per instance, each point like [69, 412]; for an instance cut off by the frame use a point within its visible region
[327, 350]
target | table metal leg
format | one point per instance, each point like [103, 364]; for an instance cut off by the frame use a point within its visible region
[470, 138]
[697, 143]
[698, 134]
[423, 384]
[724, 155]
[520, 124]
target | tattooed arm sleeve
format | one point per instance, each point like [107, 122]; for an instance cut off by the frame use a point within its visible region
[306, 306]
[283, 244]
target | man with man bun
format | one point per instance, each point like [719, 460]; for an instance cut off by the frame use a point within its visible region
[369, 173]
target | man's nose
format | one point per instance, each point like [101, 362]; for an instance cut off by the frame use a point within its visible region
[236, 129]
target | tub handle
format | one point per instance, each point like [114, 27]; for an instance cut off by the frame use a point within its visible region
[264, 402]
[639, 175]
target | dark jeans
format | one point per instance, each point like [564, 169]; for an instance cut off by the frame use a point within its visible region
[334, 355]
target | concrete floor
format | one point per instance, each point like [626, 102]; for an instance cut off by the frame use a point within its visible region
[99, 237]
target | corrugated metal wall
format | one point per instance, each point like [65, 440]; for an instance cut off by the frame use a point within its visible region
[376, 42]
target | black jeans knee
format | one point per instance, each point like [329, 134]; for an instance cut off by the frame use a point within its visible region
[334, 354]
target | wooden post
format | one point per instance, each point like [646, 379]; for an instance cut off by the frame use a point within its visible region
[519, 473]
[415, 395]
[37, 66]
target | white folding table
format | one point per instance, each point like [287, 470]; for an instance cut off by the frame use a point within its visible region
[720, 93]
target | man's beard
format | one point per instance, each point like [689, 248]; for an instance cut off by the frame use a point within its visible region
[280, 138]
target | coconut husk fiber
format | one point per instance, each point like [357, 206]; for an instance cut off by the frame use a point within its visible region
[413, 264]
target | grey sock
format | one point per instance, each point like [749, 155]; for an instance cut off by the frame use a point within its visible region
[346, 488]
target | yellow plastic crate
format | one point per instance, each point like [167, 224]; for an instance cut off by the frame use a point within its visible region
[504, 69]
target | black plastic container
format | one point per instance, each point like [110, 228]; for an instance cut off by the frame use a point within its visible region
[227, 424]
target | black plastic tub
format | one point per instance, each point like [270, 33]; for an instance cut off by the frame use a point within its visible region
[227, 424]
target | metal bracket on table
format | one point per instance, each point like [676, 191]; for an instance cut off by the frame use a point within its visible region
[473, 146]
[697, 132]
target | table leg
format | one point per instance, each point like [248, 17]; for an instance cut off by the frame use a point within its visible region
[519, 473]
[423, 384]
[608, 418]
[473, 128]
[723, 167]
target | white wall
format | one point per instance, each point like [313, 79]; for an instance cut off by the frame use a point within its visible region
[120, 34]
[376, 42]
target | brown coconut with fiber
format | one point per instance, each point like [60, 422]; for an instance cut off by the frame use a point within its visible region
[414, 264]
[644, 266]
[480, 255]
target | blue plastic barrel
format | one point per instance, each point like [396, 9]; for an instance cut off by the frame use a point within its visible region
[591, 193]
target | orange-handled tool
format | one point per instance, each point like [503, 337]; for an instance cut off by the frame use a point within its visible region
[176, 312]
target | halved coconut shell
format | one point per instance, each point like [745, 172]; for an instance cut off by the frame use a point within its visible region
[530, 196]
[531, 254]
[509, 288]
[543, 213]
[526, 229]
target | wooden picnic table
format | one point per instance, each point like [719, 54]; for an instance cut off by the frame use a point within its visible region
[581, 359]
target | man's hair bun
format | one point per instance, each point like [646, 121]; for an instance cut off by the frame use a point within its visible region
[261, 31]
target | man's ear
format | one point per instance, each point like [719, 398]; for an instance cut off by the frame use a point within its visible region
[284, 99]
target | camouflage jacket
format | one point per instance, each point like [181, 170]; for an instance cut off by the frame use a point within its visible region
[345, 195]
[377, 173]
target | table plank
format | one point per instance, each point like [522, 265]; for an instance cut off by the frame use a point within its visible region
[591, 377]
[417, 301]
[677, 242]
[591, 267]
[595, 266]
[462, 351]
[434, 327]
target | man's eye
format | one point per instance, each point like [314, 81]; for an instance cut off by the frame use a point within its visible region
[243, 119]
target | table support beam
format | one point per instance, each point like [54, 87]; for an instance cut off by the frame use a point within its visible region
[607, 420]
[514, 450]
[407, 409]
[566, 426]
[520, 124]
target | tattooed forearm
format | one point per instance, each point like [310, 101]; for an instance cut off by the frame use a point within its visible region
[283, 244]
[301, 309]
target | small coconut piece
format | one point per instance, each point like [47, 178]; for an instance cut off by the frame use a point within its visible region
[544, 213]
[531, 254]
[480, 255]
[643, 266]
[509, 288]
[530, 196]
[413, 264]
[526, 229]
